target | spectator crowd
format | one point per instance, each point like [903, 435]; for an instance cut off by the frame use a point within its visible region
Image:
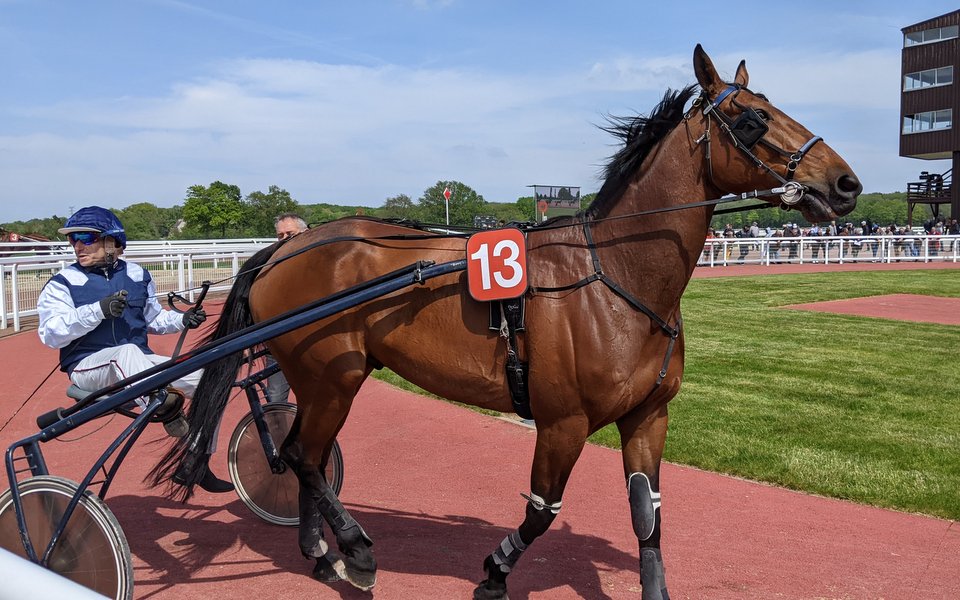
[831, 241]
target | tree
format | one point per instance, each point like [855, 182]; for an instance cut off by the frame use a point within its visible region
[465, 203]
[46, 227]
[263, 209]
[145, 221]
[506, 211]
[399, 207]
[527, 207]
[217, 207]
[322, 213]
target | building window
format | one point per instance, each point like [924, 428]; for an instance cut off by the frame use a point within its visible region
[928, 78]
[929, 36]
[928, 121]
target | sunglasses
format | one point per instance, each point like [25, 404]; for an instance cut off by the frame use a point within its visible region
[86, 237]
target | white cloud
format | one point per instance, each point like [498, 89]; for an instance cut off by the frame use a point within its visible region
[627, 73]
[864, 80]
[358, 134]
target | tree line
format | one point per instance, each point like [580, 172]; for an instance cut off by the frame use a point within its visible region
[220, 210]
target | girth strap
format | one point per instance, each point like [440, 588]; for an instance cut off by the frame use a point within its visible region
[599, 275]
[673, 331]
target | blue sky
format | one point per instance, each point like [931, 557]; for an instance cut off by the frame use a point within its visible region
[125, 101]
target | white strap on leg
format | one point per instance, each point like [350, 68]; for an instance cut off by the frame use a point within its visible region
[540, 504]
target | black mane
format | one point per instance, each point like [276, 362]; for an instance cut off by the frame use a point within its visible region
[639, 134]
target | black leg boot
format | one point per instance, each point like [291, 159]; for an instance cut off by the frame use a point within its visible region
[211, 482]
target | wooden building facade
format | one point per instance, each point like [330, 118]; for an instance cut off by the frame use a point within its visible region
[930, 107]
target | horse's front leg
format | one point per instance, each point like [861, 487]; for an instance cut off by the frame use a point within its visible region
[558, 447]
[642, 435]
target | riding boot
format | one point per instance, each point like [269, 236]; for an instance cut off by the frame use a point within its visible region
[211, 482]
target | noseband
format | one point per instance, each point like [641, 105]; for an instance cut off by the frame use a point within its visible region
[748, 130]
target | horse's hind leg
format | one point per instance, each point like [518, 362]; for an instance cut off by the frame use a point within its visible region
[642, 435]
[303, 452]
[358, 566]
[558, 447]
[310, 533]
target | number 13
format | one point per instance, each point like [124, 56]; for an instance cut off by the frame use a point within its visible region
[509, 262]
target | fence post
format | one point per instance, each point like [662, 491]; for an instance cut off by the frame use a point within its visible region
[13, 297]
[181, 279]
[3, 298]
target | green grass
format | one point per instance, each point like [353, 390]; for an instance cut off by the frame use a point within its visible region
[850, 407]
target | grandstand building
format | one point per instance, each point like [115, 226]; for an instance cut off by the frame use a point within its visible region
[929, 105]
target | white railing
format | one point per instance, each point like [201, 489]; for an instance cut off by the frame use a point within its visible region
[175, 267]
[183, 265]
[722, 252]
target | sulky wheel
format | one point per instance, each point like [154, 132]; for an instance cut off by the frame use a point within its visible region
[271, 496]
[92, 551]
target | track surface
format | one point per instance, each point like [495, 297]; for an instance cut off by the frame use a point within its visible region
[437, 487]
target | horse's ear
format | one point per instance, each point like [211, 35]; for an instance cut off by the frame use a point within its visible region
[706, 73]
[742, 76]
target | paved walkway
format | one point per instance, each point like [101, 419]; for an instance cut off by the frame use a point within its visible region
[437, 487]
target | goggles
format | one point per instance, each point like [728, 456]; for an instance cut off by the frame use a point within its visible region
[86, 237]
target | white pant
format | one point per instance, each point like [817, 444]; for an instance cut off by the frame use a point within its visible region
[110, 365]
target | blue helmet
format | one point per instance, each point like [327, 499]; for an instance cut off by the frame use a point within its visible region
[94, 218]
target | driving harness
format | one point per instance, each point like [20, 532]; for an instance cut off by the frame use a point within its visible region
[507, 317]
[746, 132]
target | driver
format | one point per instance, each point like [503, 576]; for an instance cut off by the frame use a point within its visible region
[99, 310]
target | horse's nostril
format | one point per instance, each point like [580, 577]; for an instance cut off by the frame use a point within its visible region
[849, 185]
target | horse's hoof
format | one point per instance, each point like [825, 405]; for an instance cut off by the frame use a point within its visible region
[490, 590]
[363, 577]
[325, 572]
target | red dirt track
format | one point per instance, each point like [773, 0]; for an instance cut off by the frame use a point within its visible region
[899, 307]
[437, 487]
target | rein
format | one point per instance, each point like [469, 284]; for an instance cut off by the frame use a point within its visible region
[747, 131]
[524, 227]
[742, 132]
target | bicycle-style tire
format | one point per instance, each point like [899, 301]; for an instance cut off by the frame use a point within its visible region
[92, 550]
[271, 496]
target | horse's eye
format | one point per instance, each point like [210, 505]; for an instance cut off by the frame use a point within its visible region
[763, 114]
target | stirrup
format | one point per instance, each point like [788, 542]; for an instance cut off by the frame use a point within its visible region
[172, 406]
[170, 414]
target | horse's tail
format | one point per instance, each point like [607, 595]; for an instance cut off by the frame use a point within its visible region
[179, 464]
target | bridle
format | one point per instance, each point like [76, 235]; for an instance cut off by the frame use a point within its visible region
[746, 131]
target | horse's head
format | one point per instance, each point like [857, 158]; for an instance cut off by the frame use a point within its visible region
[757, 146]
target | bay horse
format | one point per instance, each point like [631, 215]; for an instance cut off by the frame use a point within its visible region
[21, 239]
[603, 335]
